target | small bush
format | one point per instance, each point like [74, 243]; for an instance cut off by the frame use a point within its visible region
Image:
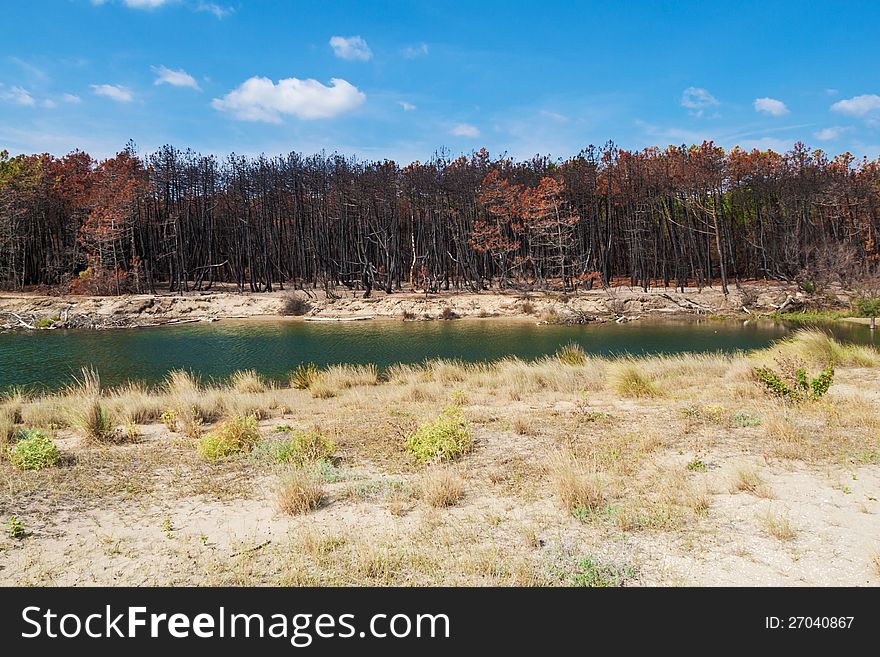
[33, 450]
[295, 306]
[448, 313]
[95, 421]
[301, 448]
[300, 492]
[572, 354]
[169, 419]
[303, 376]
[446, 438]
[323, 390]
[441, 487]
[798, 388]
[527, 308]
[233, 436]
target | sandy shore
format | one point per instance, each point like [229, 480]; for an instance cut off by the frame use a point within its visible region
[22, 310]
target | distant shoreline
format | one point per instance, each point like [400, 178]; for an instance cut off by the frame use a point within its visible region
[34, 311]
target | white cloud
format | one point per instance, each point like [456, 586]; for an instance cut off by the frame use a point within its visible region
[407, 107]
[178, 78]
[770, 106]
[17, 96]
[419, 50]
[146, 4]
[114, 92]
[464, 130]
[858, 105]
[697, 98]
[829, 134]
[217, 10]
[260, 99]
[351, 48]
[70, 98]
[49, 104]
[554, 116]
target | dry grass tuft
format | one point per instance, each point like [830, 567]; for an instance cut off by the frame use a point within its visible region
[629, 379]
[442, 487]
[577, 486]
[300, 492]
[745, 479]
[777, 525]
[248, 381]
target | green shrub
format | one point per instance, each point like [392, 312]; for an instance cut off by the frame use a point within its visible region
[801, 388]
[868, 306]
[33, 450]
[302, 447]
[16, 528]
[234, 436]
[571, 354]
[446, 438]
[303, 376]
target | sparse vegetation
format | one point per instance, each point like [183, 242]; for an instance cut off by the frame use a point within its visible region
[595, 574]
[566, 466]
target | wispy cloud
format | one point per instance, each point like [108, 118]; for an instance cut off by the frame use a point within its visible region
[464, 130]
[858, 105]
[260, 99]
[16, 96]
[407, 107]
[554, 116]
[71, 98]
[215, 9]
[113, 91]
[770, 106]
[178, 78]
[418, 50]
[698, 100]
[353, 48]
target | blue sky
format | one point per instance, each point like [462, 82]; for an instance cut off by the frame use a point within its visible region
[382, 79]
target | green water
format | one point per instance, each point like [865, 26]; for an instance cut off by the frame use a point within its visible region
[48, 359]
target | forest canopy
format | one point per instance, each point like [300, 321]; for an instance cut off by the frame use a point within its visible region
[680, 216]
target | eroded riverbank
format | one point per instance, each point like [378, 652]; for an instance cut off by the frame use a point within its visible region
[29, 311]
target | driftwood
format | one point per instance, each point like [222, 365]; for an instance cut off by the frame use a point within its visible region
[689, 304]
[338, 319]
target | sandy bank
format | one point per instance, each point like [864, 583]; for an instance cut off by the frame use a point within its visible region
[29, 311]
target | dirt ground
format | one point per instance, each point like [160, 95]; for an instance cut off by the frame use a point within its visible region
[699, 479]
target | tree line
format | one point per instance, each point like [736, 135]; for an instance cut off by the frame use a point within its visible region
[677, 217]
